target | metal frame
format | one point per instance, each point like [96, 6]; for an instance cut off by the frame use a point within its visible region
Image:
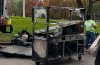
[47, 33]
[47, 29]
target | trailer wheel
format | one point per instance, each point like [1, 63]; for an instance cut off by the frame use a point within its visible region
[37, 63]
[79, 57]
[46, 63]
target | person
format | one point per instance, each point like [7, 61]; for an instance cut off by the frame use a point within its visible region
[8, 22]
[1, 20]
[90, 26]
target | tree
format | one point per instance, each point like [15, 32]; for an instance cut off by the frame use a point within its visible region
[90, 5]
[15, 7]
[79, 3]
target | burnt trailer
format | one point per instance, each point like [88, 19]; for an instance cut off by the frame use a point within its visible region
[67, 41]
[54, 42]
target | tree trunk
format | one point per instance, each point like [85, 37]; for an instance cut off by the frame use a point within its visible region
[90, 6]
[79, 4]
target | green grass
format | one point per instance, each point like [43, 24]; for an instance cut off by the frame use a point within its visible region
[98, 29]
[20, 23]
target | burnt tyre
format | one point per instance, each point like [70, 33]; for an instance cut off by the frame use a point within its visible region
[79, 57]
[37, 63]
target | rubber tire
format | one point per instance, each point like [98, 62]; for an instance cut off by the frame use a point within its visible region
[37, 63]
[79, 57]
[46, 63]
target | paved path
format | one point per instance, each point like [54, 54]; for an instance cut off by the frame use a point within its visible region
[86, 60]
[15, 61]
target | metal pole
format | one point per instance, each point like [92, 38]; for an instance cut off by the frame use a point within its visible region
[33, 20]
[70, 15]
[83, 12]
[63, 49]
[47, 31]
[23, 8]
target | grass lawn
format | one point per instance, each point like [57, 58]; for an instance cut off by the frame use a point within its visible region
[20, 23]
[98, 29]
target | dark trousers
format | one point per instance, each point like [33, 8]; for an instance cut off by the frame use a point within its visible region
[3, 28]
[90, 37]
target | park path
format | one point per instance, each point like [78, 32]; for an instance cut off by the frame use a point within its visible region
[86, 60]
